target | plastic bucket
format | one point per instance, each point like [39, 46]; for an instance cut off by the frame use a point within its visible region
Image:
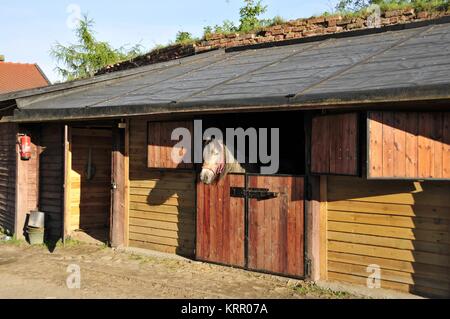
[36, 220]
[35, 235]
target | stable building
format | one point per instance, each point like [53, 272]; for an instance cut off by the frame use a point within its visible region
[364, 151]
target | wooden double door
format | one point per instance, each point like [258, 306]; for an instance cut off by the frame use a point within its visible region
[254, 222]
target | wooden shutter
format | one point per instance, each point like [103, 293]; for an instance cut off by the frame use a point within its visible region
[334, 144]
[409, 145]
[160, 144]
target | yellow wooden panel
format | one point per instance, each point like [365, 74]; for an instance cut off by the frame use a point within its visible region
[389, 253]
[161, 200]
[423, 210]
[387, 275]
[394, 232]
[390, 242]
[161, 240]
[161, 208]
[159, 224]
[404, 266]
[158, 232]
[390, 220]
[186, 218]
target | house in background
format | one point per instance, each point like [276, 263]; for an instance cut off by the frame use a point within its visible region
[20, 76]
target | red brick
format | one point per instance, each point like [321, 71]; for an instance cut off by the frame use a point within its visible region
[317, 20]
[422, 15]
[293, 35]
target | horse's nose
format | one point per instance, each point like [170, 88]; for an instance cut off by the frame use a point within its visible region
[206, 177]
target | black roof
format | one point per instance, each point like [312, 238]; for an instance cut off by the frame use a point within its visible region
[379, 65]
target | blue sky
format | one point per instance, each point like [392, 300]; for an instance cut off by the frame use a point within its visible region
[30, 28]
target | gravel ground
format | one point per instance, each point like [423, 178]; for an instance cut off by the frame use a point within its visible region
[34, 272]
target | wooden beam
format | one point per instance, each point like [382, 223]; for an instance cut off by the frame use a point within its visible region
[323, 250]
[67, 169]
[21, 194]
[27, 183]
[118, 214]
[127, 184]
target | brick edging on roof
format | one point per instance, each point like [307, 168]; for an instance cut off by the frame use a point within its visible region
[290, 31]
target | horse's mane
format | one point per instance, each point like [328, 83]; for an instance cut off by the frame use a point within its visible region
[231, 163]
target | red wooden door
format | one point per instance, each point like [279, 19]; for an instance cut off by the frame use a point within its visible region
[273, 223]
[221, 222]
[276, 226]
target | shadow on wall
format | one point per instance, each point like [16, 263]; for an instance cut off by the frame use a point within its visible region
[173, 197]
[403, 227]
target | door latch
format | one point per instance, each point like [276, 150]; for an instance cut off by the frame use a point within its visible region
[254, 193]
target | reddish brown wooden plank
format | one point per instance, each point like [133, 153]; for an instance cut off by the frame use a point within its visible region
[270, 212]
[239, 181]
[320, 146]
[233, 227]
[283, 221]
[253, 228]
[226, 225]
[336, 152]
[206, 234]
[425, 146]
[219, 215]
[274, 228]
[399, 154]
[375, 144]
[300, 227]
[411, 144]
[388, 144]
[349, 144]
[437, 138]
[446, 146]
[292, 245]
[200, 218]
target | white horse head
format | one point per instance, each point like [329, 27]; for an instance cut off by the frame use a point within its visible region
[218, 161]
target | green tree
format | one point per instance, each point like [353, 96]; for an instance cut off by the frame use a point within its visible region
[184, 37]
[88, 55]
[250, 15]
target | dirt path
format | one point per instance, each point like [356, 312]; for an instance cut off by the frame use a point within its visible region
[33, 272]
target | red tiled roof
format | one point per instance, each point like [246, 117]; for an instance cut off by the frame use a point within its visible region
[18, 76]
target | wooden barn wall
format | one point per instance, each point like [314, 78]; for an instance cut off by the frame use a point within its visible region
[334, 144]
[27, 186]
[7, 176]
[162, 203]
[404, 227]
[51, 191]
[409, 145]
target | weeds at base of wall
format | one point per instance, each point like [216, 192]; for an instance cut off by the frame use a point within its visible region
[311, 289]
